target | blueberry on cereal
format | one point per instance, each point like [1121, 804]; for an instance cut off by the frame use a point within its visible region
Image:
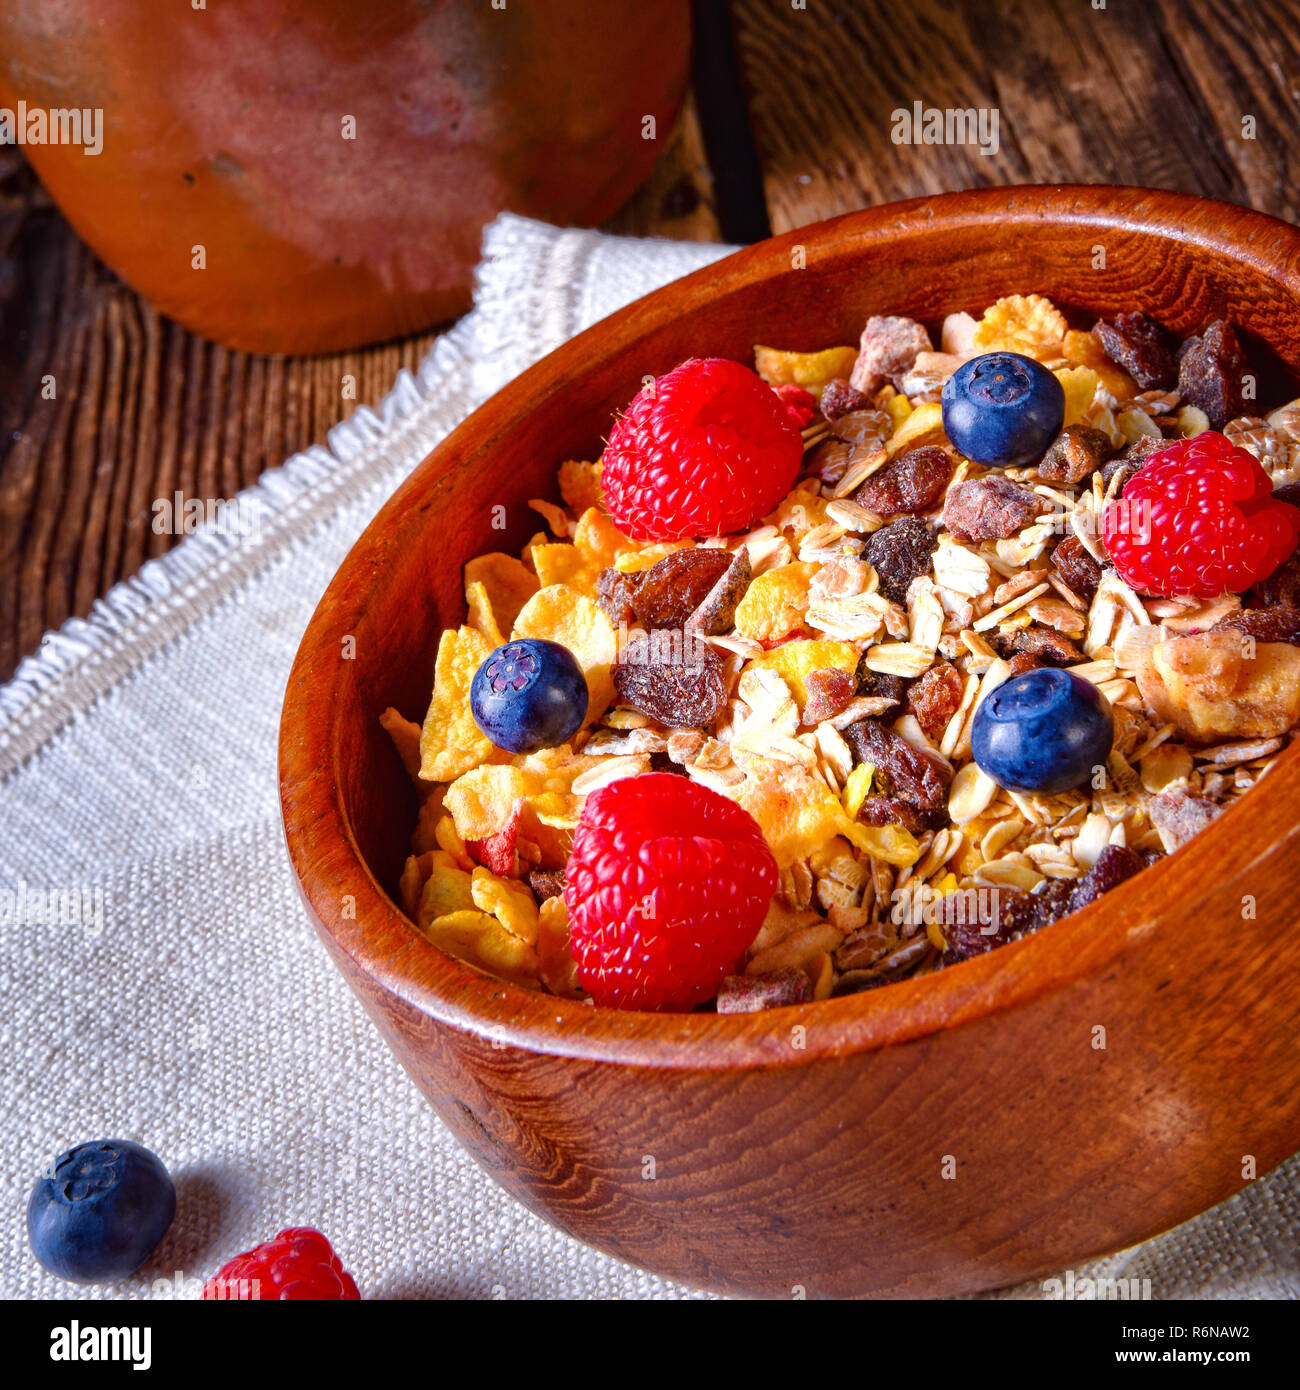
[1043, 731]
[529, 694]
[1002, 409]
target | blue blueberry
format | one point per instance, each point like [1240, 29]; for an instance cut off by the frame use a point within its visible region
[99, 1211]
[529, 694]
[1043, 731]
[1002, 409]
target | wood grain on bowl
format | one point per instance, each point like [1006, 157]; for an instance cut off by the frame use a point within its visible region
[1069, 1094]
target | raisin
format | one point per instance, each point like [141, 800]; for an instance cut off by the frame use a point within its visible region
[1022, 915]
[748, 994]
[546, 883]
[672, 676]
[661, 762]
[1281, 588]
[910, 482]
[672, 588]
[1288, 493]
[717, 609]
[905, 771]
[1179, 814]
[869, 682]
[1115, 864]
[1022, 662]
[892, 810]
[1138, 345]
[887, 349]
[985, 509]
[839, 398]
[1076, 453]
[935, 698]
[829, 691]
[1130, 462]
[1211, 372]
[1078, 570]
[1045, 643]
[1276, 624]
[898, 553]
[973, 925]
[615, 592]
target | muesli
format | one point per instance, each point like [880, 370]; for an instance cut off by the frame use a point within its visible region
[866, 661]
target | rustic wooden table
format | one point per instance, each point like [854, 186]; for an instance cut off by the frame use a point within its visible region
[790, 121]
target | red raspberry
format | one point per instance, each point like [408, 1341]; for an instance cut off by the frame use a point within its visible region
[668, 883]
[298, 1264]
[1200, 519]
[704, 451]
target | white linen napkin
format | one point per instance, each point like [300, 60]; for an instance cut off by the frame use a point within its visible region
[186, 1002]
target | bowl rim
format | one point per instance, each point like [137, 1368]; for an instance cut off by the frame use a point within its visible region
[412, 970]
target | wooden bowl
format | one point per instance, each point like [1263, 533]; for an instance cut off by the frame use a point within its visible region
[1066, 1095]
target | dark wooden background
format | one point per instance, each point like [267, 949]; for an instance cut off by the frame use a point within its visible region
[789, 122]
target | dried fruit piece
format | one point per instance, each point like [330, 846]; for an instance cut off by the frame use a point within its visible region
[1078, 570]
[1206, 685]
[1211, 372]
[1022, 662]
[888, 347]
[1130, 462]
[497, 851]
[839, 398]
[910, 482]
[1178, 814]
[829, 691]
[1282, 587]
[716, 611]
[992, 508]
[903, 770]
[1076, 453]
[1115, 864]
[898, 553]
[615, 591]
[893, 810]
[1138, 344]
[1045, 643]
[935, 698]
[749, 994]
[869, 682]
[672, 676]
[1275, 624]
[672, 588]
[546, 883]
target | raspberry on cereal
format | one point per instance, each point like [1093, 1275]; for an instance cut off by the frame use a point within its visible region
[666, 887]
[705, 450]
[1199, 519]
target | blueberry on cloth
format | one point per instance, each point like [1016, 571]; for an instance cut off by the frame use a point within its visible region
[529, 694]
[1043, 731]
[1002, 409]
[99, 1211]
